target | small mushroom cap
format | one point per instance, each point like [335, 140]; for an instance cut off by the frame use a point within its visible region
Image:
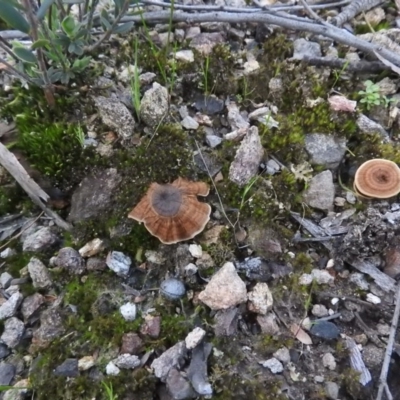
[378, 178]
[172, 212]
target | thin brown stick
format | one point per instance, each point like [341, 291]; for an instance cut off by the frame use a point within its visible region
[340, 35]
[389, 347]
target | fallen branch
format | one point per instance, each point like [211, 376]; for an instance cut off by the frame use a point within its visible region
[353, 9]
[357, 362]
[34, 191]
[300, 24]
[389, 349]
[385, 282]
[358, 66]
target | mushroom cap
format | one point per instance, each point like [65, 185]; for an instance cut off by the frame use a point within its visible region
[377, 178]
[172, 212]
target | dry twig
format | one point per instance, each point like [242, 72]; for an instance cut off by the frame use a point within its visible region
[389, 349]
[34, 191]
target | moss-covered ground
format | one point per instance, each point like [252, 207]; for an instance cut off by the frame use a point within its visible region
[51, 142]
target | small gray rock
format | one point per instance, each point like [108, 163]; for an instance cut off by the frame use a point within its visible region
[13, 332]
[272, 167]
[115, 115]
[5, 280]
[283, 355]
[172, 288]
[303, 48]
[154, 105]
[213, 140]
[320, 193]
[128, 311]
[189, 123]
[369, 127]
[119, 263]
[205, 42]
[39, 274]
[197, 371]
[325, 330]
[274, 365]
[326, 150]
[51, 327]
[169, 359]
[248, 157]
[4, 351]
[185, 56]
[40, 240]
[31, 304]
[94, 195]
[70, 260]
[7, 373]
[332, 390]
[127, 361]
[178, 386]
[359, 280]
[69, 368]
[9, 308]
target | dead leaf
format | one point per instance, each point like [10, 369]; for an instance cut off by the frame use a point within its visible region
[341, 103]
[300, 334]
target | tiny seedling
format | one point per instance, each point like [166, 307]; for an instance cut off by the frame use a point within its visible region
[204, 68]
[338, 74]
[109, 391]
[371, 96]
[135, 84]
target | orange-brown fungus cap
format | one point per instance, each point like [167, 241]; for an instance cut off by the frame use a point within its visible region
[377, 178]
[172, 212]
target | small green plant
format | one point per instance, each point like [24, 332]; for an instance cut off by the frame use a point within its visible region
[62, 40]
[135, 83]
[371, 96]
[109, 391]
[205, 70]
[339, 73]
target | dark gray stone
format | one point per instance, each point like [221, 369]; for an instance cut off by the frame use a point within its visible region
[94, 195]
[31, 304]
[4, 351]
[304, 48]
[178, 386]
[172, 288]
[325, 330]
[7, 373]
[69, 368]
[326, 150]
[70, 260]
[320, 193]
[197, 371]
[209, 105]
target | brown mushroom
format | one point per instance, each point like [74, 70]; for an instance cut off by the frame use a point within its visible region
[377, 178]
[172, 212]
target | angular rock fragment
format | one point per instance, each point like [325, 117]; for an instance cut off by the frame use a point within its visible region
[224, 290]
[248, 158]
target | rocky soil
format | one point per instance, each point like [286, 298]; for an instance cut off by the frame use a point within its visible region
[288, 293]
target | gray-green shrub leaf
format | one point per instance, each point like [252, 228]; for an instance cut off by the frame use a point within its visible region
[12, 17]
[25, 55]
[43, 8]
[68, 25]
[123, 28]
[40, 44]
